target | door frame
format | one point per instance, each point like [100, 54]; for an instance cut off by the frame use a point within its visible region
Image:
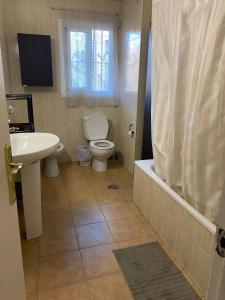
[12, 284]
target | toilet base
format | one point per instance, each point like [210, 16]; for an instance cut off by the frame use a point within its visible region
[51, 167]
[99, 165]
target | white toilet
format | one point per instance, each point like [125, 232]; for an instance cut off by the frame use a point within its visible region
[96, 129]
[51, 163]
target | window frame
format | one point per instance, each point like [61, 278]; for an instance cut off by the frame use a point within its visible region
[67, 26]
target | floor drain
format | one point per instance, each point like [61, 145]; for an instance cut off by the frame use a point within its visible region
[113, 187]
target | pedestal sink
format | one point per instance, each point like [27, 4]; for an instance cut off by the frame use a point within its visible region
[30, 148]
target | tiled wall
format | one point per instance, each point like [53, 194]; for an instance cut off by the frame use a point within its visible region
[146, 19]
[188, 240]
[129, 59]
[50, 112]
[135, 17]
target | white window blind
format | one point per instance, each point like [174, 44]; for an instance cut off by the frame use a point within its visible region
[89, 62]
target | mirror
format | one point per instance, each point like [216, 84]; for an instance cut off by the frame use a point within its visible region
[17, 111]
[20, 113]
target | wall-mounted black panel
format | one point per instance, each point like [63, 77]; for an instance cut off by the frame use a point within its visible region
[35, 59]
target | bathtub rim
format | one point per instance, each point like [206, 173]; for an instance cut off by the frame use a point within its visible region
[147, 167]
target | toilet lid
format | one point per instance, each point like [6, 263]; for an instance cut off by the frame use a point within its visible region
[97, 126]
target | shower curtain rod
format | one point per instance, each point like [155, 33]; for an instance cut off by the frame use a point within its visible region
[85, 11]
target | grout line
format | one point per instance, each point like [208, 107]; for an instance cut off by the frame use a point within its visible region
[66, 184]
[80, 225]
[59, 253]
[98, 245]
[88, 182]
[103, 276]
[70, 211]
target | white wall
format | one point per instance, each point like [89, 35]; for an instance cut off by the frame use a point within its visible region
[135, 17]
[131, 13]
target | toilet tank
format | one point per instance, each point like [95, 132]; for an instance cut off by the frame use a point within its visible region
[95, 127]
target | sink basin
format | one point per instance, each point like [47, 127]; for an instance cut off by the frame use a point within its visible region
[33, 146]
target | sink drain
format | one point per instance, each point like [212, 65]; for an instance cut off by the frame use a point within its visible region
[113, 187]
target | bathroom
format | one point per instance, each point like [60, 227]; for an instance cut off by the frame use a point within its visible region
[77, 228]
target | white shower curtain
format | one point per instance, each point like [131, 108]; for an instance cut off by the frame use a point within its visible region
[188, 94]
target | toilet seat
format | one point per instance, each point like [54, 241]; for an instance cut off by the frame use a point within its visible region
[102, 144]
[96, 130]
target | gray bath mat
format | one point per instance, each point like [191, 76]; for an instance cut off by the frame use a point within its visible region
[151, 275]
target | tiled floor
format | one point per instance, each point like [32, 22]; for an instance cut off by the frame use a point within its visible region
[83, 222]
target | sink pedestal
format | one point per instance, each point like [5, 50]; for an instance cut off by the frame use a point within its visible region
[31, 190]
[29, 148]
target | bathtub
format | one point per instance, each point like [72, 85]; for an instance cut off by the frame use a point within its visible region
[186, 233]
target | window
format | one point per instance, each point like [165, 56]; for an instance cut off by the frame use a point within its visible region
[89, 63]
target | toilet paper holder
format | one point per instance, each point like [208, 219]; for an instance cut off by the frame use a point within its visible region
[131, 130]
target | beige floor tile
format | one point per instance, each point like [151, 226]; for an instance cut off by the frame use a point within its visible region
[54, 191]
[31, 274]
[95, 177]
[75, 178]
[98, 182]
[60, 270]
[73, 168]
[99, 261]
[29, 248]
[119, 210]
[93, 235]
[57, 219]
[99, 185]
[120, 176]
[126, 192]
[77, 291]
[51, 205]
[76, 197]
[132, 243]
[52, 202]
[109, 288]
[106, 197]
[86, 213]
[80, 193]
[52, 183]
[130, 229]
[61, 240]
